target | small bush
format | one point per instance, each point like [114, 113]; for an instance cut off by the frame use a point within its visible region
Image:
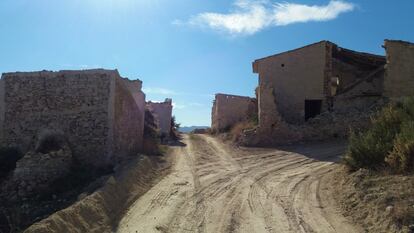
[174, 133]
[401, 158]
[389, 142]
[150, 126]
[8, 159]
[152, 136]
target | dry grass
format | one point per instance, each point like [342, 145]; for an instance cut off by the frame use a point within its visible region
[237, 130]
[379, 202]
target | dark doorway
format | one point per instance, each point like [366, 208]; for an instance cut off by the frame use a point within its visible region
[312, 108]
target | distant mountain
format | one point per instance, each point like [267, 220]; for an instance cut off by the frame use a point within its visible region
[188, 129]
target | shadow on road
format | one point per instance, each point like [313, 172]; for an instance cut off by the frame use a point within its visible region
[330, 151]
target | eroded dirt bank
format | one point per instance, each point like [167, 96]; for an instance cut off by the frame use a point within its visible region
[216, 188]
[101, 211]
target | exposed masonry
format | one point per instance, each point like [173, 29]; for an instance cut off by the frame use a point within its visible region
[229, 110]
[320, 90]
[399, 78]
[100, 114]
[162, 113]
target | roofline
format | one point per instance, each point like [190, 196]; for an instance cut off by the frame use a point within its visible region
[381, 57]
[35, 73]
[329, 42]
[293, 50]
[398, 41]
[239, 96]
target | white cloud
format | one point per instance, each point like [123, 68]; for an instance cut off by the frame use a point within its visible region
[178, 106]
[288, 13]
[158, 91]
[251, 16]
[188, 105]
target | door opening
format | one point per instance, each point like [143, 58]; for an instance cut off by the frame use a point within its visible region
[312, 108]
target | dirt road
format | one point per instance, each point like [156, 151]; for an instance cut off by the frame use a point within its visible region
[216, 188]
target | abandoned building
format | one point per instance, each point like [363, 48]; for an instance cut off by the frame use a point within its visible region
[324, 79]
[228, 110]
[100, 114]
[162, 112]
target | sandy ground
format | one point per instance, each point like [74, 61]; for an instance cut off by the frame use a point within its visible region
[216, 188]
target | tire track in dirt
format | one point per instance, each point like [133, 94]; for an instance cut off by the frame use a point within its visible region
[217, 188]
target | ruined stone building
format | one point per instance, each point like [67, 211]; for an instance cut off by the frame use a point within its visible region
[162, 113]
[228, 110]
[100, 113]
[300, 84]
[322, 78]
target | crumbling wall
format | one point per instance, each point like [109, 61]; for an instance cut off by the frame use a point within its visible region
[399, 77]
[36, 171]
[162, 113]
[292, 77]
[231, 109]
[360, 78]
[344, 83]
[81, 104]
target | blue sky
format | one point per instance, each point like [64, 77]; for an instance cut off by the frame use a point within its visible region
[187, 49]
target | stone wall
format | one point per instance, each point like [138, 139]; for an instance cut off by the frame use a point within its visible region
[399, 78]
[229, 110]
[89, 107]
[287, 79]
[162, 113]
[36, 171]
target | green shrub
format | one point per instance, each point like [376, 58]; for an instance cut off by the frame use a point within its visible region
[368, 149]
[388, 143]
[401, 158]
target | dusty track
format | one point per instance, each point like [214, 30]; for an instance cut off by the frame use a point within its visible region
[216, 188]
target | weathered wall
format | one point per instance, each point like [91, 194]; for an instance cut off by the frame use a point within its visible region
[135, 88]
[229, 110]
[287, 79]
[361, 78]
[128, 119]
[93, 108]
[399, 77]
[162, 113]
[75, 103]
